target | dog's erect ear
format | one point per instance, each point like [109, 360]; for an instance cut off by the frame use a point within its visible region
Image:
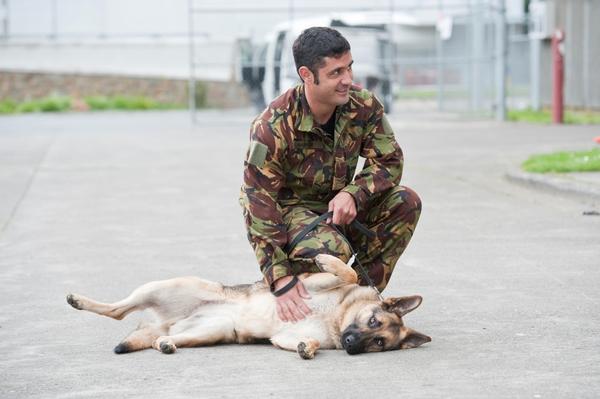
[414, 339]
[402, 305]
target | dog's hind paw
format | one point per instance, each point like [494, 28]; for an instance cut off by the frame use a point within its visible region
[167, 347]
[72, 300]
[305, 352]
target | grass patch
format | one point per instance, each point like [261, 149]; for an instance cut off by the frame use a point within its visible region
[127, 103]
[563, 162]
[545, 116]
[95, 103]
[47, 104]
[8, 107]
[54, 104]
[429, 94]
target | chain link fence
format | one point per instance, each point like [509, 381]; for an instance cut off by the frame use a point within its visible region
[462, 56]
[445, 56]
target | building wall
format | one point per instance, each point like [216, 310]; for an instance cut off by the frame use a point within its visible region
[578, 19]
[22, 86]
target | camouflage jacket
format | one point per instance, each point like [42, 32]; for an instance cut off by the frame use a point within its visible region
[291, 161]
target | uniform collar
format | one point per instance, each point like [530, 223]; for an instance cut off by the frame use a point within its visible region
[306, 121]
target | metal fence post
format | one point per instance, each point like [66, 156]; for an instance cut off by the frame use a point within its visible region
[4, 17]
[54, 20]
[192, 57]
[477, 53]
[440, 61]
[587, 50]
[500, 69]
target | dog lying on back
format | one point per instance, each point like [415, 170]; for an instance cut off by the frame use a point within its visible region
[195, 312]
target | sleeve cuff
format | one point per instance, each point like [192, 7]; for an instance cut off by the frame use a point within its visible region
[278, 268]
[274, 272]
[359, 195]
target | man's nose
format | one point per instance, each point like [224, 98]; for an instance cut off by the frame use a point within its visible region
[347, 78]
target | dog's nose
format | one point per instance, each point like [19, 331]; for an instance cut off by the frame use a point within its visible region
[351, 343]
[349, 340]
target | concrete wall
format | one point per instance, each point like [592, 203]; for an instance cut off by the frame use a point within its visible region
[20, 86]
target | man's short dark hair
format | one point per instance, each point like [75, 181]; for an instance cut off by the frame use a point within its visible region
[316, 43]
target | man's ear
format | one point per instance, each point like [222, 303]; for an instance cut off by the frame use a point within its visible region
[414, 339]
[306, 75]
[402, 305]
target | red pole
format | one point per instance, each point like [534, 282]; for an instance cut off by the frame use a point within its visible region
[558, 76]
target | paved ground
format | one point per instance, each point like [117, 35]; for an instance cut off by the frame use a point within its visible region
[100, 203]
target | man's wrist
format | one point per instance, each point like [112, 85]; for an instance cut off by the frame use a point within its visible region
[275, 272]
[280, 282]
[281, 289]
[357, 194]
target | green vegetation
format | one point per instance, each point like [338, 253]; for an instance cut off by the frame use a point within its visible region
[48, 104]
[62, 103]
[545, 116]
[562, 162]
[127, 103]
[201, 94]
[7, 107]
[429, 94]
[450, 92]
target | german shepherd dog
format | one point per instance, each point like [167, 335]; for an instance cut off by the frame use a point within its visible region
[195, 312]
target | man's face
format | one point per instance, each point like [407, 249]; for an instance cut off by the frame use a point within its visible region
[335, 79]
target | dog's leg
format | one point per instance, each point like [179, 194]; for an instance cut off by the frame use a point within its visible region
[141, 338]
[305, 347]
[193, 332]
[335, 266]
[116, 310]
[167, 297]
[139, 299]
[337, 274]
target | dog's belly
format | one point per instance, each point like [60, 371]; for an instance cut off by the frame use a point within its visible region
[258, 319]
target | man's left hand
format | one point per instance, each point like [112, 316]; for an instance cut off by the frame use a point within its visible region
[343, 207]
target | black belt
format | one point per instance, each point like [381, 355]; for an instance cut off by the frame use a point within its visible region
[356, 224]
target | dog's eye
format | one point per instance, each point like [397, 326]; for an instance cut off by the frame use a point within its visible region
[373, 322]
[379, 342]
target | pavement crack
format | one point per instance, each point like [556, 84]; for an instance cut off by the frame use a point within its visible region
[28, 186]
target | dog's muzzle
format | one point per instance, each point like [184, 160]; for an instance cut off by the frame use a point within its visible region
[351, 342]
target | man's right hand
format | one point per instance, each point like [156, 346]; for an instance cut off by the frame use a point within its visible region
[291, 306]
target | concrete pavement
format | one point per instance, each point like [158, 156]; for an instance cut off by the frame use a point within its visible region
[101, 203]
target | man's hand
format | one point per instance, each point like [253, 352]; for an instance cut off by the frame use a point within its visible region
[343, 207]
[291, 306]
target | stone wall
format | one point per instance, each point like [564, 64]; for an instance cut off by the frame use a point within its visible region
[22, 86]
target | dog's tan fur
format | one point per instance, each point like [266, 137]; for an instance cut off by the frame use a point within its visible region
[195, 312]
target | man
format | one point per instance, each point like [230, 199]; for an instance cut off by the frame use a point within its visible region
[303, 153]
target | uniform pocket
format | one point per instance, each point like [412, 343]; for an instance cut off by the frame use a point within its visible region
[311, 166]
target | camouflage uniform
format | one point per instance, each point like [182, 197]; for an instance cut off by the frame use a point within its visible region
[293, 169]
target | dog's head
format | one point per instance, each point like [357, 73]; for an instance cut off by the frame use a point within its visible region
[378, 327]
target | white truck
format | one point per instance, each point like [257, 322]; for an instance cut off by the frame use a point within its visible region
[268, 69]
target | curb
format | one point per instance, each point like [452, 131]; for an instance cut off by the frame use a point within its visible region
[564, 184]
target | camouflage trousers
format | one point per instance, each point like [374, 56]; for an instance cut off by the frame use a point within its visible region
[391, 215]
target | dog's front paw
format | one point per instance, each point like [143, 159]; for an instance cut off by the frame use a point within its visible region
[324, 262]
[305, 351]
